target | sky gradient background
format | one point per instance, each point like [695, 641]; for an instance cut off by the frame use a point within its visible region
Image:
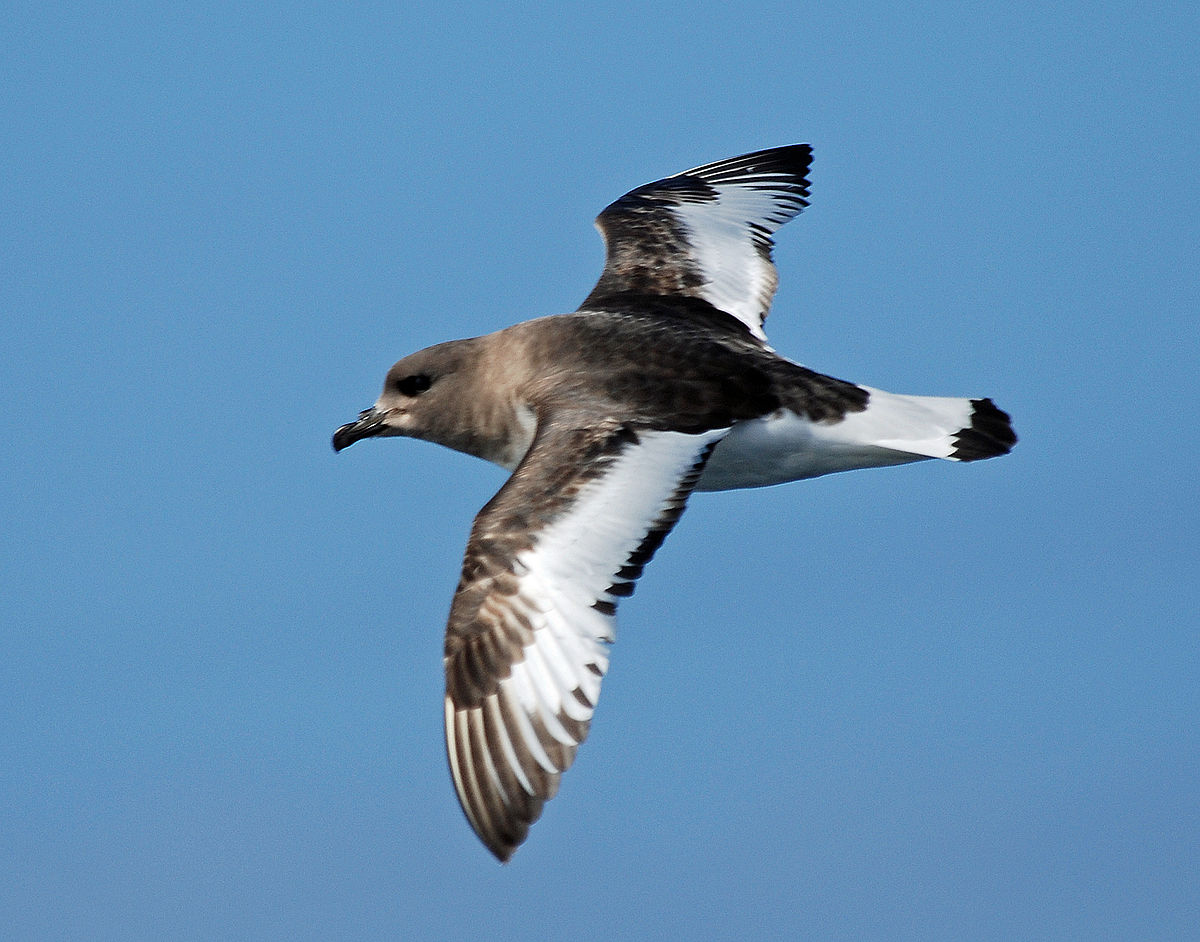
[935, 702]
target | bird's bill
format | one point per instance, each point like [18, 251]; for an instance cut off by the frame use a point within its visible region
[369, 423]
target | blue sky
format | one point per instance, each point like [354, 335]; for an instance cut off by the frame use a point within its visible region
[930, 702]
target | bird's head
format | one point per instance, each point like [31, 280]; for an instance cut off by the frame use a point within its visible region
[423, 397]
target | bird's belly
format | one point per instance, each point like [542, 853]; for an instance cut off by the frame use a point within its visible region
[784, 446]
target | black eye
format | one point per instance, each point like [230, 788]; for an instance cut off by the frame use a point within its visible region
[414, 385]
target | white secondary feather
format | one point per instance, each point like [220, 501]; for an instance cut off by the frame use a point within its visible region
[740, 278]
[575, 559]
[550, 694]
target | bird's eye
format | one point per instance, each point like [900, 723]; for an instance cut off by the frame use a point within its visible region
[414, 385]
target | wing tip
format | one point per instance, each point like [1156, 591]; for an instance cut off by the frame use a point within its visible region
[499, 829]
[792, 161]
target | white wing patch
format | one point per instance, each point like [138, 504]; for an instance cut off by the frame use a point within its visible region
[704, 233]
[507, 752]
[730, 247]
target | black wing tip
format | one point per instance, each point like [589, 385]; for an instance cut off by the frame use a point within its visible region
[502, 830]
[989, 435]
[503, 852]
[788, 164]
[790, 158]
[785, 167]
[787, 158]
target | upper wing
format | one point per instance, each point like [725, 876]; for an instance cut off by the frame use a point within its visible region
[705, 233]
[527, 641]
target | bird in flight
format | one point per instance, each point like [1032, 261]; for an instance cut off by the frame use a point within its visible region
[662, 383]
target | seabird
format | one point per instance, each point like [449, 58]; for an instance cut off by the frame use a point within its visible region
[662, 383]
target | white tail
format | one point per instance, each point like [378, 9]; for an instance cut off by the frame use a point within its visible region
[893, 429]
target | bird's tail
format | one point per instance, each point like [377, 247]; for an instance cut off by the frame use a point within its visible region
[891, 429]
[931, 426]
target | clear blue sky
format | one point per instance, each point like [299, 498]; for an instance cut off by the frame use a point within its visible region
[936, 702]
